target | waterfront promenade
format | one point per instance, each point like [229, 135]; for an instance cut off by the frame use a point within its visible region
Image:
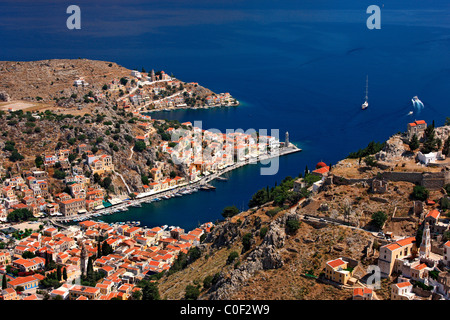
[196, 184]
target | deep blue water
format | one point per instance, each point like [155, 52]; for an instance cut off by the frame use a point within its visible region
[296, 66]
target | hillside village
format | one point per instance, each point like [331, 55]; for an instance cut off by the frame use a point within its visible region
[79, 168]
[77, 171]
[397, 202]
[384, 208]
[401, 195]
[92, 261]
[83, 148]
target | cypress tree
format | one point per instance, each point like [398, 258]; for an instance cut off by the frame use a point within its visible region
[58, 273]
[4, 283]
[99, 248]
[65, 274]
[90, 267]
[414, 143]
[46, 260]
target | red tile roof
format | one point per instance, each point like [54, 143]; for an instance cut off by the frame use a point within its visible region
[336, 263]
[403, 284]
[433, 213]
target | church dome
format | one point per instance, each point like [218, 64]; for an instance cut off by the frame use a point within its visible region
[321, 165]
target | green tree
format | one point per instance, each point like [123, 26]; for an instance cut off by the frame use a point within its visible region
[230, 211]
[259, 198]
[262, 232]
[193, 254]
[97, 178]
[150, 291]
[99, 248]
[414, 143]
[232, 256]
[106, 182]
[16, 156]
[139, 146]
[292, 225]
[145, 179]
[420, 193]
[4, 282]
[106, 249]
[136, 295]
[445, 203]
[39, 161]
[19, 215]
[370, 161]
[247, 241]
[207, 282]
[58, 174]
[59, 272]
[379, 218]
[28, 255]
[191, 292]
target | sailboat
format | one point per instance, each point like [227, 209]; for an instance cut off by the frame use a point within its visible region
[366, 103]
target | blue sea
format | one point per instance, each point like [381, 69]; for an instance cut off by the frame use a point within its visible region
[296, 66]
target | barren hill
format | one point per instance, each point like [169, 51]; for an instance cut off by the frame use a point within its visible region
[26, 80]
[274, 266]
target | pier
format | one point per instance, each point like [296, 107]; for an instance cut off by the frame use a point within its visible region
[198, 184]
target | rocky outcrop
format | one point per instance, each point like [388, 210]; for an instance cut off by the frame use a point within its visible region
[393, 149]
[4, 97]
[223, 235]
[443, 133]
[265, 256]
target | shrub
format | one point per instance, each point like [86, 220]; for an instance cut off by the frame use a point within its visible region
[247, 241]
[230, 211]
[379, 218]
[232, 256]
[191, 292]
[420, 193]
[273, 212]
[207, 282]
[292, 225]
[262, 232]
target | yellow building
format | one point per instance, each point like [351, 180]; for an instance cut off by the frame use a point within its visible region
[100, 164]
[5, 258]
[91, 293]
[392, 253]
[156, 174]
[337, 271]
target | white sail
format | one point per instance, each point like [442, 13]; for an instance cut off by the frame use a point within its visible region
[366, 102]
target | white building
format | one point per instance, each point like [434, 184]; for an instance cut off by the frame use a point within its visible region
[430, 157]
[402, 291]
[80, 83]
[135, 73]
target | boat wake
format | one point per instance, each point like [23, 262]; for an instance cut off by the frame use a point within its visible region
[417, 103]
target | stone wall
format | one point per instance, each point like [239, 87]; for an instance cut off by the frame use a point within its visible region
[338, 180]
[413, 177]
[435, 180]
[430, 180]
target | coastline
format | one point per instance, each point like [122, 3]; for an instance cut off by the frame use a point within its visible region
[192, 186]
[205, 107]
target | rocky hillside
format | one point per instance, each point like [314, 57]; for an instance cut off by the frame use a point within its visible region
[274, 265]
[49, 79]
